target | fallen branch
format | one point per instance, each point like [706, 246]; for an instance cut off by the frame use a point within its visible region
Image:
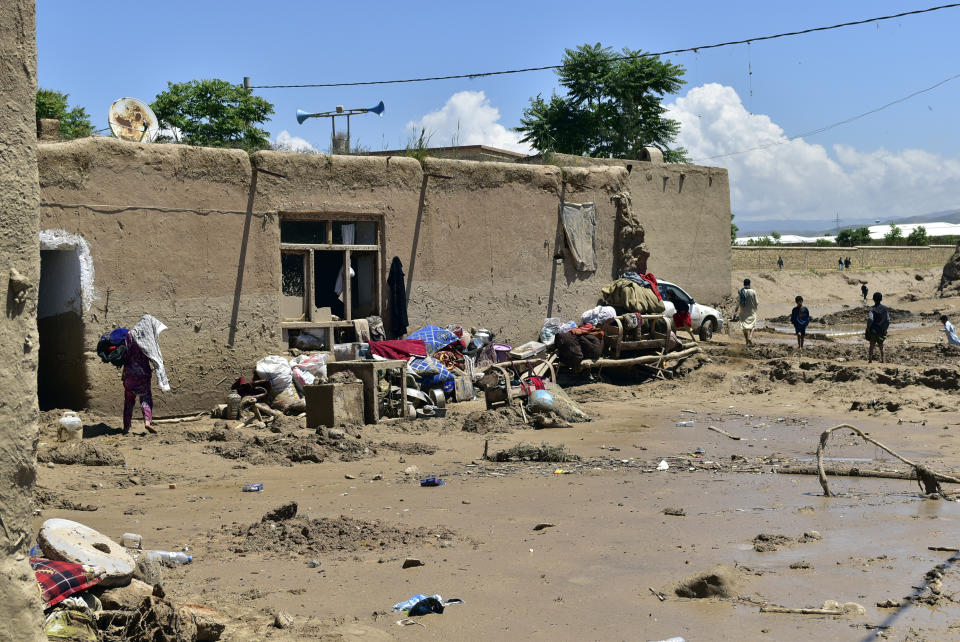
[846, 472]
[635, 361]
[723, 432]
[927, 477]
[945, 549]
[783, 609]
[177, 420]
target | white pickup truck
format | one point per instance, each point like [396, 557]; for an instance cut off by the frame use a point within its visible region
[706, 320]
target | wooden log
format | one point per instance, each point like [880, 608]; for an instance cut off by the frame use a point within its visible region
[783, 609]
[846, 472]
[177, 420]
[636, 361]
[723, 432]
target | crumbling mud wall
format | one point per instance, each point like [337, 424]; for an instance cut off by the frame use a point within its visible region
[685, 213]
[170, 231]
[20, 610]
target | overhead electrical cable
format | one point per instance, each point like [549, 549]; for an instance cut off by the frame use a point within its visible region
[642, 55]
[820, 130]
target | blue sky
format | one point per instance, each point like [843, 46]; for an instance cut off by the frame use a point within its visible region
[900, 162]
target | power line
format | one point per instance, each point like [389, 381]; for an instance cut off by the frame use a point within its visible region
[820, 130]
[642, 55]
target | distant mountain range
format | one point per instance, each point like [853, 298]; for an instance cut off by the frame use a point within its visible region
[817, 227]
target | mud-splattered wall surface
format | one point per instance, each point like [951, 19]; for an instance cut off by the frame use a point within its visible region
[193, 237]
[20, 609]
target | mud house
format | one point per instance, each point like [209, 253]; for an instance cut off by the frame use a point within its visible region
[237, 253]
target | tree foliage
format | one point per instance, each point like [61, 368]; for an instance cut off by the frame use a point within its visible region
[763, 241]
[918, 236]
[776, 237]
[894, 236]
[214, 113]
[849, 238]
[733, 230]
[74, 123]
[612, 106]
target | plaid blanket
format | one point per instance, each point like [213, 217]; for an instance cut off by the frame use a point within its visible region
[60, 580]
[435, 338]
[430, 372]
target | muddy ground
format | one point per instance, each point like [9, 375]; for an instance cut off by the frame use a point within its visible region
[619, 530]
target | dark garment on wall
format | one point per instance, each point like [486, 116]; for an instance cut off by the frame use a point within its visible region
[398, 299]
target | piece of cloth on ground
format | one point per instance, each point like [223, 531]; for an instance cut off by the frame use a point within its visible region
[147, 336]
[399, 348]
[398, 299]
[580, 229]
[59, 580]
[435, 337]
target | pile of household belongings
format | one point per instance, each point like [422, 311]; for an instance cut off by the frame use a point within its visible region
[633, 298]
[93, 588]
[438, 361]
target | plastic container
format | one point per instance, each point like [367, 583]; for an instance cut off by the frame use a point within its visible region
[541, 400]
[233, 406]
[170, 558]
[253, 488]
[71, 427]
[685, 424]
[131, 540]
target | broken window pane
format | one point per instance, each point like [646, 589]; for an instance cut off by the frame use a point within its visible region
[293, 307]
[303, 232]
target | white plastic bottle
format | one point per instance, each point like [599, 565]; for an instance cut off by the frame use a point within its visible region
[170, 558]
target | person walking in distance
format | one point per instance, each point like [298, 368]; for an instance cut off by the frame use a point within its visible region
[878, 321]
[780, 263]
[863, 291]
[800, 317]
[748, 311]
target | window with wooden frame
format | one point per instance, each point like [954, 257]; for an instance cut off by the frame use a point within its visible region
[330, 269]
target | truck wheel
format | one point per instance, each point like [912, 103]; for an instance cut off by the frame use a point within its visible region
[707, 328]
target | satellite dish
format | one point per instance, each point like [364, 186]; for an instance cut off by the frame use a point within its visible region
[133, 120]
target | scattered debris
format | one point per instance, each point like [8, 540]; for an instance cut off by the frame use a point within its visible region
[540, 527]
[676, 512]
[529, 452]
[411, 562]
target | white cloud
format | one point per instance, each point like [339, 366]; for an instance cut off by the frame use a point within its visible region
[468, 118]
[289, 143]
[798, 180]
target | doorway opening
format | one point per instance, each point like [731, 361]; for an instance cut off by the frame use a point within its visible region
[62, 371]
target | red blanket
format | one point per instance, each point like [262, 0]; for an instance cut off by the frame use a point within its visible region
[399, 349]
[60, 580]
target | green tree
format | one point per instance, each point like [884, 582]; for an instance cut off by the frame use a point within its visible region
[612, 106]
[733, 230]
[74, 123]
[214, 113]
[894, 236]
[918, 236]
[849, 238]
[823, 243]
[763, 241]
[776, 237]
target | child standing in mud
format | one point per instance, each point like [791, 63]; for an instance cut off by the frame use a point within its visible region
[800, 317]
[878, 321]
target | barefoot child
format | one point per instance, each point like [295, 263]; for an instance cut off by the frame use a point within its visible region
[800, 317]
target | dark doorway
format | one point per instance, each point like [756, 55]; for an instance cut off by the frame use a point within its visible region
[61, 372]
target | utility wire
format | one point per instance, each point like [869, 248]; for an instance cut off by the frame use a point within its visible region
[820, 130]
[642, 55]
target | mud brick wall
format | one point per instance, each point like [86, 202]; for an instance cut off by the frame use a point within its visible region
[825, 258]
[685, 213]
[21, 615]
